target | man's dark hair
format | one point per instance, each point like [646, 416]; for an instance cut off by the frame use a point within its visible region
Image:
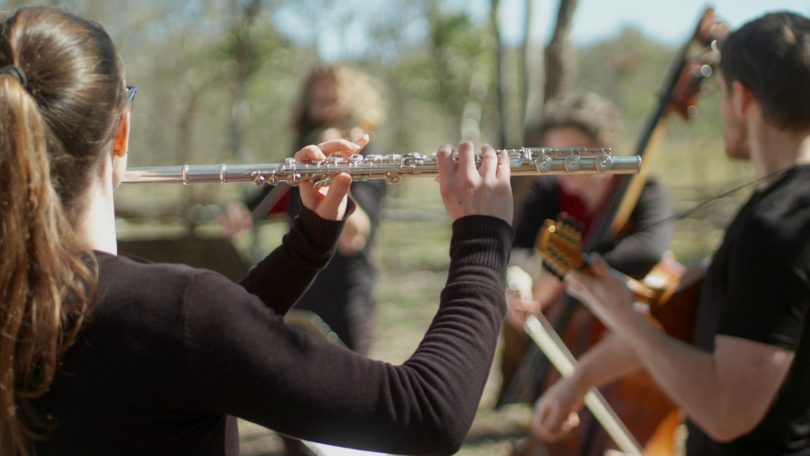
[771, 56]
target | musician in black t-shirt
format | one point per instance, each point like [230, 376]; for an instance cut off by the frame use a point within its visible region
[743, 384]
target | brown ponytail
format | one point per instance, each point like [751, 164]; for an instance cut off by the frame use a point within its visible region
[55, 118]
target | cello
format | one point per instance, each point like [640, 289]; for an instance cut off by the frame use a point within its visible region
[694, 64]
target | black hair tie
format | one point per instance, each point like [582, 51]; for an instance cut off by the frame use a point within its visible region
[17, 72]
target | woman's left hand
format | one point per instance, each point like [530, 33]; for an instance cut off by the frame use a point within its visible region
[329, 202]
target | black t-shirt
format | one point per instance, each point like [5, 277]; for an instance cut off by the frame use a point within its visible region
[758, 288]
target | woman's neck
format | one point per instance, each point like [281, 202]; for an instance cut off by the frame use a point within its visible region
[95, 228]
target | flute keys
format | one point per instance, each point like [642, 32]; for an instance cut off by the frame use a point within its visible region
[258, 178]
[572, 163]
[543, 163]
[319, 181]
[604, 163]
[392, 177]
[413, 159]
[294, 179]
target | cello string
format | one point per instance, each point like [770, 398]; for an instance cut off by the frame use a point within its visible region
[701, 205]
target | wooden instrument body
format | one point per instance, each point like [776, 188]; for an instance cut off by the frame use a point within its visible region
[669, 296]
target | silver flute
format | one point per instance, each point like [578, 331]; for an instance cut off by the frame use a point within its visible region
[523, 162]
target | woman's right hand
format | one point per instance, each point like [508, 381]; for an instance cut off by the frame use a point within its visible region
[470, 190]
[329, 202]
[555, 413]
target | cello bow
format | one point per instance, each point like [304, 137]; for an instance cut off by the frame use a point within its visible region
[542, 333]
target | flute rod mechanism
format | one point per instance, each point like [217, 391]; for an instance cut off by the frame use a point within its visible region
[523, 161]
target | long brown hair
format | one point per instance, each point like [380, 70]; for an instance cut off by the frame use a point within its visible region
[61, 88]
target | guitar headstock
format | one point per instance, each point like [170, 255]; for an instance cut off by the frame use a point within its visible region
[560, 244]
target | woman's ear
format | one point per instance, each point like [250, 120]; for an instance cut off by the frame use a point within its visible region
[120, 148]
[121, 139]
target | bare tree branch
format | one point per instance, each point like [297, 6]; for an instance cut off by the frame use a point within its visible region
[500, 97]
[524, 71]
[560, 53]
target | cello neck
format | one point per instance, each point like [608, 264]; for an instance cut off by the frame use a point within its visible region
[695, 63]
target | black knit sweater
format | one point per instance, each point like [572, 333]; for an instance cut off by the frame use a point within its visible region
[171, 354]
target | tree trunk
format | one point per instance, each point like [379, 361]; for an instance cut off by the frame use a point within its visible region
[500, 99]
[559, 74]
[524, 68]
[560, 53]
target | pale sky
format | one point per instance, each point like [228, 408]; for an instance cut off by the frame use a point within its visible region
[668, 21]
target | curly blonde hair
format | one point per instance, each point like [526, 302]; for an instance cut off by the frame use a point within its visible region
[592, 114]
[358, 93]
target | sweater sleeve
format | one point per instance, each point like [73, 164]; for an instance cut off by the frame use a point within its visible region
[246, 362]
[283, 276]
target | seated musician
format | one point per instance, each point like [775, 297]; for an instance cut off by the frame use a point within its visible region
[743, 382]
[579, 120]
[105, 356]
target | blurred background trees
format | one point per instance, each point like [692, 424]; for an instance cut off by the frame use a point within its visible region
[217, 77]
[217, 80]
